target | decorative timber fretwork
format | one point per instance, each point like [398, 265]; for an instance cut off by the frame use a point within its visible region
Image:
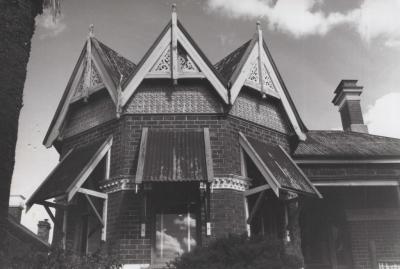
[89, 80]
[268, 82]
[119, 183]
[163, 64]
[231, 182]
[253, 80]
[176, 56]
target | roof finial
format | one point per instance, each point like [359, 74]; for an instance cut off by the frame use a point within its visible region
[260, 65]
[91, 30]
[259, 30]
[173, 7]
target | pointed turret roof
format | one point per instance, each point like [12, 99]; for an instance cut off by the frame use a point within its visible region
[227, 66]
[172, 41]
[252, 65]
[116, 63]
[108, 64]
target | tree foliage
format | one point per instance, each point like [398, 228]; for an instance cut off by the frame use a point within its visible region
[239, 252]
[27, 257]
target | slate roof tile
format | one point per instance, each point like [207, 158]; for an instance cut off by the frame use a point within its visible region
[348, 145]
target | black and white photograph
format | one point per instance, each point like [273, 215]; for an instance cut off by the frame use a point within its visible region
[200, 134]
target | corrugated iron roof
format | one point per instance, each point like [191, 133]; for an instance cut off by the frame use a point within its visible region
[347, 145]
[65, 173]
[283, 168]
[175, 156]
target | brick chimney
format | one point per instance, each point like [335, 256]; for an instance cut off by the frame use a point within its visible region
[16, 205]
[347, 98]
[44, 229]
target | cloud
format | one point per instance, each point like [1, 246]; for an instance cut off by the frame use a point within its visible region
[183, 222]
[383, 118]
[192, 242]
[169, 245]
[50, 27]
[373, 19]
[379, 19]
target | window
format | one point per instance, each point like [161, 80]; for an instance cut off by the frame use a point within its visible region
[176, 208]
[175, 234]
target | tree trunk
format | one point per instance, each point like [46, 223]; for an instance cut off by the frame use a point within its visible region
[17, 23]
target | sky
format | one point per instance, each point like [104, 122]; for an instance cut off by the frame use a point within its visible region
[315, 44]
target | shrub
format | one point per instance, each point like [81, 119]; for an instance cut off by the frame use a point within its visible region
[238, 252]
[26, 257]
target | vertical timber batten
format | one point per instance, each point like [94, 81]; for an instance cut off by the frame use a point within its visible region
[142, 155]
[174, 46]
[104, 230]
[208, 153]
[259, 60]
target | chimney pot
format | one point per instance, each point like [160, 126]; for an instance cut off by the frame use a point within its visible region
[44, 229]
[347, 98]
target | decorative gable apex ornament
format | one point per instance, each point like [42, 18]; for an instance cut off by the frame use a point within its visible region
[163, 64]
[91, 74]
[174, 55]
[90, 79]
[268, 82]
[253, 81]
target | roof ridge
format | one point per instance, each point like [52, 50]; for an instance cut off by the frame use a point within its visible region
[355, 133]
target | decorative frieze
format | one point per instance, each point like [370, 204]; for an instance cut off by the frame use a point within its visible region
[230, 182]
[119, 183]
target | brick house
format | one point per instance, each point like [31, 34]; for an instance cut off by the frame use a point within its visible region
[172, 152]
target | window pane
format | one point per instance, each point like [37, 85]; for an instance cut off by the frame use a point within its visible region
[175, 234]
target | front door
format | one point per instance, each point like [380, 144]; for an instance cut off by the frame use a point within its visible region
[175, 235]
[176, 218]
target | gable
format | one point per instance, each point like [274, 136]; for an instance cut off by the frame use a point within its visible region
[97, 68]
[254, 79]
[89, 82]
[267, 81]
[186, 65]
[174, 55]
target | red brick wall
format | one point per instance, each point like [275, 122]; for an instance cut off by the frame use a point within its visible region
[385, 233]
[227, 213]
[267, 112]
[124, 228]
[186, 97]
[83, 116]
[351, 114]
[227, 206]
[223, 135]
